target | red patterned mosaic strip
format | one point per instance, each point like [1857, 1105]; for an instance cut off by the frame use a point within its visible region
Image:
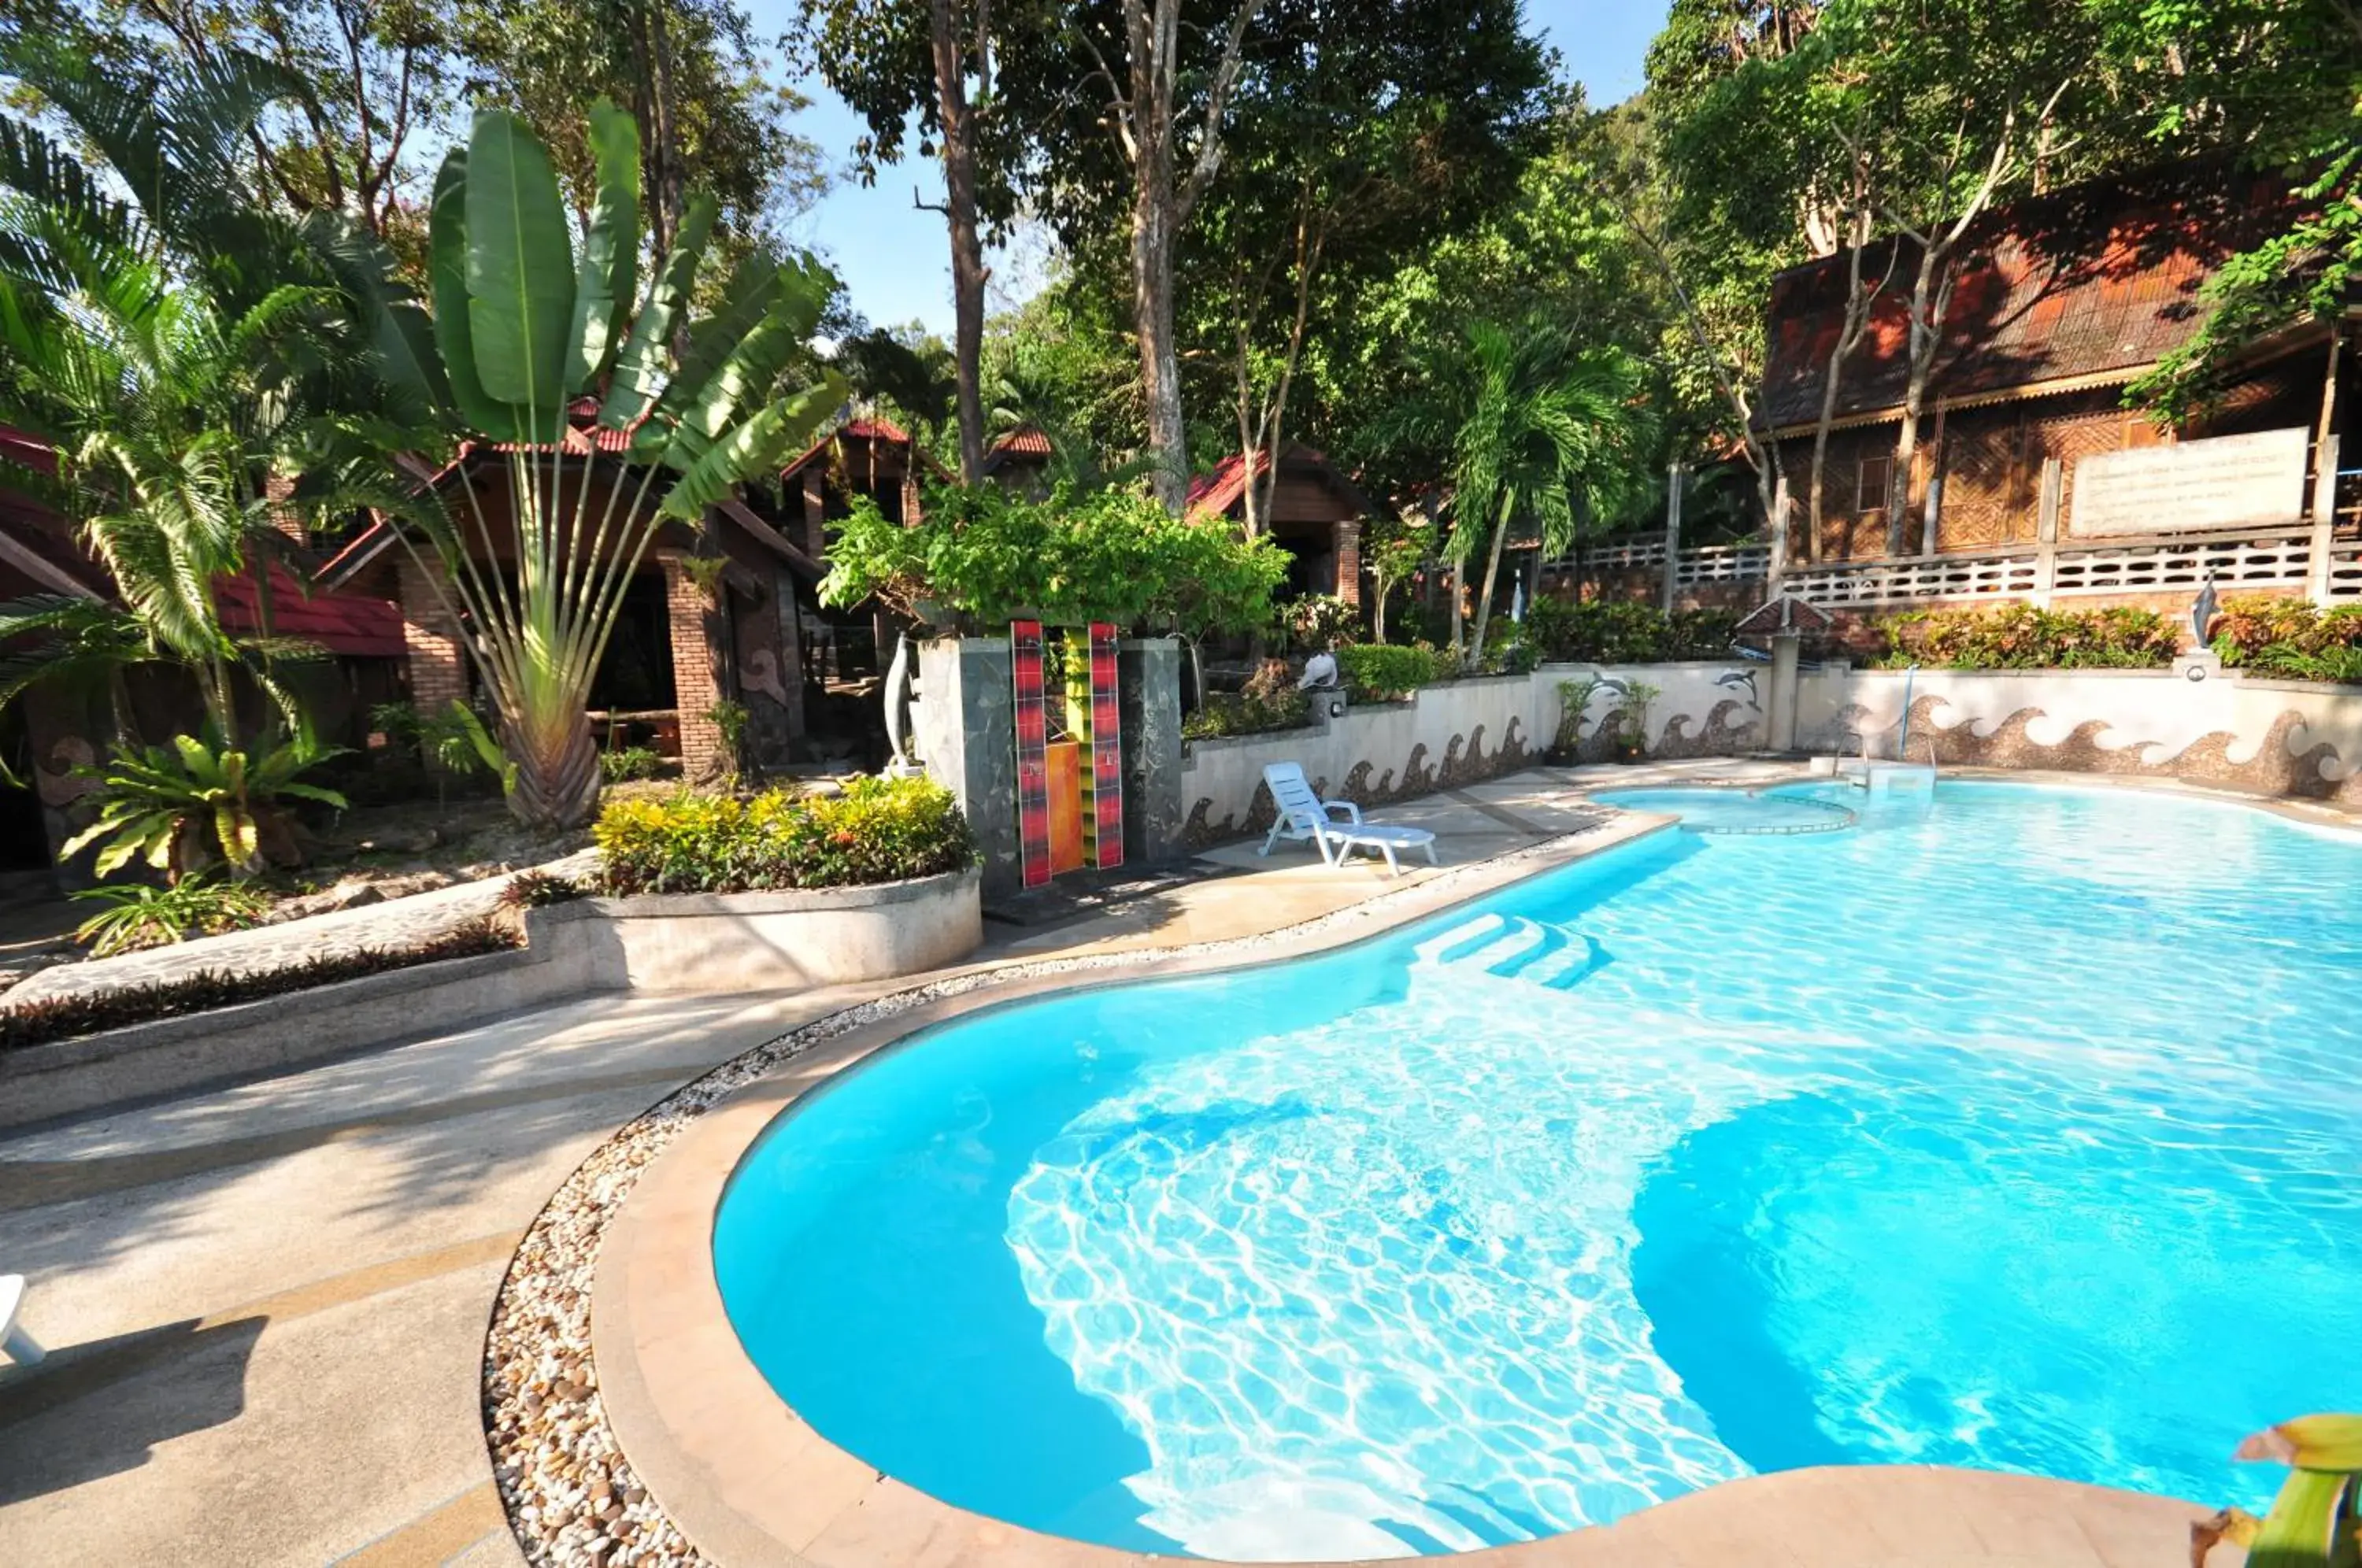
[1032, 755]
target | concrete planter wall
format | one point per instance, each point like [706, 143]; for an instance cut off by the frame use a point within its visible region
[172, 1054]
[785, 940]
[712, 943]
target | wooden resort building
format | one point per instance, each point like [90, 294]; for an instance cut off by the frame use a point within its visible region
[2061, 301]
[1316, 517]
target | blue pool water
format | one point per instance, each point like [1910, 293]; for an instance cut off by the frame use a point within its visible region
[2021, 1132]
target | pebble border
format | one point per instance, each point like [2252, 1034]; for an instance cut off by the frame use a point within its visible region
[571, 1498]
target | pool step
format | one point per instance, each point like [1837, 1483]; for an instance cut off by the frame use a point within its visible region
[1574, 958]
[1531, 951]
[1460, 941]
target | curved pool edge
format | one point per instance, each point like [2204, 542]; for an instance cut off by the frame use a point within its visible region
[747, 1481]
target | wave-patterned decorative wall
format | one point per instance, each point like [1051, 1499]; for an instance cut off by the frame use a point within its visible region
[2279, 738]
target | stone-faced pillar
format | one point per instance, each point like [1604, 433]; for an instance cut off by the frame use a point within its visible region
[964, 723]
[1148, 702]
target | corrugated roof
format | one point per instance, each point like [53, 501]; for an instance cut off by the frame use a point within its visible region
[350, 623]
[2097, 282]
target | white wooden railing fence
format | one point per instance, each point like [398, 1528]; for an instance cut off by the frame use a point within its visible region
[2239, 559]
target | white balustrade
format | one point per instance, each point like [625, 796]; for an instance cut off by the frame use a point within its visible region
[1930, 577]
[2236, 561]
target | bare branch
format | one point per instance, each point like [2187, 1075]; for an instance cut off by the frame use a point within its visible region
[1209, 137]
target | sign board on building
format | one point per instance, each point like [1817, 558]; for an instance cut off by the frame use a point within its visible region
[2225, 481]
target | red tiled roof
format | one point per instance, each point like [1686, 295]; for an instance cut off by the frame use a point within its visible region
[1025, 441]
[2098, 281]
[1217, 491]
[1220, 489]
[884, 430]
[352, 624]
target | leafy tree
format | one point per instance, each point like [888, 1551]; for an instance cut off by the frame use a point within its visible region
[2274, 84]
[1393, 549]
[906, 368]
[525, 326]
[986, 555]
[365, 79]
[691, 74]
[369, 83]
[1359, 136]
[1125, 105]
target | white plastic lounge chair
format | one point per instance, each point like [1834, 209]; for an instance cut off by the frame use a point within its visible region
[22, 1348]
[1303, 814]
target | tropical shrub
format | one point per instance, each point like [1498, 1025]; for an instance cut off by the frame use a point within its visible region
[182, 808]
[2024, 637]
[1386, 672]
[628, 764]
[1509, 649]
[1574, 706]
[1631, 719]
[984, 556]
[138, 915]
[1620, 631]
[1319, 621]
[538, 889]
[2290, 638]
[1236, 713]
[1269, 700]
[875, 830]
[67, 1017]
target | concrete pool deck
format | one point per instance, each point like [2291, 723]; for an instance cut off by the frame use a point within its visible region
[267, 1303]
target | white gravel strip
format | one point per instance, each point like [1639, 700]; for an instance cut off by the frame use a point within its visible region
[570, 1496]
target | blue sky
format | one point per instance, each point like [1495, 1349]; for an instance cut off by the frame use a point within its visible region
[894, 260]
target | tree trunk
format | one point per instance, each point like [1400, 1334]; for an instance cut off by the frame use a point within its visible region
[668, 180]
[1857, 319]
[1153, 224]
[1475, 654]
[1458, 611]
[558, 780]
[968, 244]
[1929, 300]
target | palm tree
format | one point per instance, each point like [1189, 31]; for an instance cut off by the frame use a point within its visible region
[171, 347]
[614, 420]
[1547, 434]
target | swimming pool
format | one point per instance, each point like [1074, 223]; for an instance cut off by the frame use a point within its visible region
[2018, 1131]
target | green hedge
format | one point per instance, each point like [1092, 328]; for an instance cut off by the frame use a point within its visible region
[2020, 636]
[1618, 631]
[2289, 638]
[1386, 672]
[878, 829]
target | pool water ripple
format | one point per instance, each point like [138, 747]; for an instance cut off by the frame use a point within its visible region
[2018, 1132]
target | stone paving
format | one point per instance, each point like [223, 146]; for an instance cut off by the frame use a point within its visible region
[267, 1303]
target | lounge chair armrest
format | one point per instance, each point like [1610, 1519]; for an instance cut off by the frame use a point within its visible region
[1352, 813]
